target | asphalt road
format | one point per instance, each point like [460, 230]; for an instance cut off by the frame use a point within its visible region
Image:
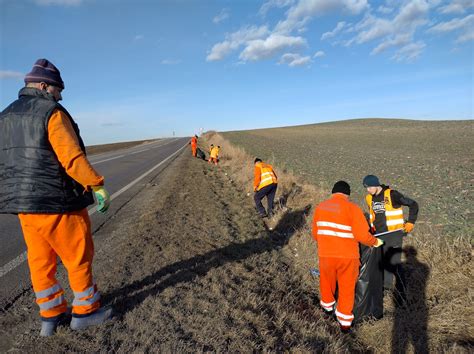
[126, 172]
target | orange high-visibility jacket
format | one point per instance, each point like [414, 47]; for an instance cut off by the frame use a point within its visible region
[263, 176]
[338, 226]
[194, 141]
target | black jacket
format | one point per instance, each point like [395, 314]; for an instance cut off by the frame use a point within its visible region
[32, 179]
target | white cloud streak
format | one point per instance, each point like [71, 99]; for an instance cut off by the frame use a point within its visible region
[235, 40]
[463, 25]
[222, 16]
[268, 5]
[8, 74]
[260, 49]
[334, 32]
[456, 7]
[302, 12]
[319, 54]
[294, 59]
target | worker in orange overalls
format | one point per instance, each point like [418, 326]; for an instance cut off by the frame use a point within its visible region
[265, 184]
[194, 144]
[46, 179]
[338, 226]
[214, 156]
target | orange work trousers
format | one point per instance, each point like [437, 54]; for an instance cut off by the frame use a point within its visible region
[194, 150]
[68, 236]
[344, 273]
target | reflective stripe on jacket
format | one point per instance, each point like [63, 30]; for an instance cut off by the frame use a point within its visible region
[338, 226]
[263, 176]
[393, 216]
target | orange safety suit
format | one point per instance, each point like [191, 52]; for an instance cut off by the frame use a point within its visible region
[66, 235]
[338, 226]
[194, 146]
[263, 176]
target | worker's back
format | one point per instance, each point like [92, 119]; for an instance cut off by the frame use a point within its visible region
[215, 152]
[338, 226]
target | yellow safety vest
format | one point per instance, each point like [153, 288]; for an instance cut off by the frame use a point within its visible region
[393, 216]
[267, 176]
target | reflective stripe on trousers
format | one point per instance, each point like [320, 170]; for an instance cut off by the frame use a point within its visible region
[344, 320]
[87, 297]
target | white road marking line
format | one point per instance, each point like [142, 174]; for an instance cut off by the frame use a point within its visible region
[131, 153]
[112, 158]
[16, 262]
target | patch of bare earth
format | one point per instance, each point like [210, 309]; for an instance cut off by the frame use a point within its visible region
[188, 266]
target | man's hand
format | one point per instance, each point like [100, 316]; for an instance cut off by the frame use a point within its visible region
[379, 243]
[103, 198]
[408, 227]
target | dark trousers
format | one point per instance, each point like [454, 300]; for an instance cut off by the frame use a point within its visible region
[269, 192]
[391, 257]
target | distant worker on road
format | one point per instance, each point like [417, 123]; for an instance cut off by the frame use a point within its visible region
[338, 227]
[194, 144]
[387, 222]
[214, 156]
[46, 179]
[265, 184]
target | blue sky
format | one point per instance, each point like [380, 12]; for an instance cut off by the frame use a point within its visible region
[142, 69]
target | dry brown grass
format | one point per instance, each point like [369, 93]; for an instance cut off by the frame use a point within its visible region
[438, 293]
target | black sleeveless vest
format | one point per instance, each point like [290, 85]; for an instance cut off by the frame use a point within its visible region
[32, 179]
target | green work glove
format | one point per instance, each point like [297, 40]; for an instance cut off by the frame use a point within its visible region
[379, 243]
[102, 197]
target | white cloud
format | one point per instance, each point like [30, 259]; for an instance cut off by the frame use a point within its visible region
[235, 40]
[268, 5]
[8, 74]
[385, 10]
[294, 59]
[454, 24]
[464, 25]
[334, 32]
[259, 49]
[138, 37]
[222, 16]
[409, 52]
[300, 13]
[319, 54]
[395, 32]
[456, 7]
[58, 2]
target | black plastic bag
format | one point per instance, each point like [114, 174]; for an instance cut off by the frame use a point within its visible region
[200, 154]
[369, 288]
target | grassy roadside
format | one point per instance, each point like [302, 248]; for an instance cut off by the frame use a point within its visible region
[439, 293]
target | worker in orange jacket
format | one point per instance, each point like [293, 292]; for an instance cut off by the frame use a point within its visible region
[194, 144]
[265, 184]
[214, 155]
[338, 227]
[46, 179]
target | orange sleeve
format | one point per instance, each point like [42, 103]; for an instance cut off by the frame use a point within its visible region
[314, 230]
[360, 228]
[66, 146]
[256, 177]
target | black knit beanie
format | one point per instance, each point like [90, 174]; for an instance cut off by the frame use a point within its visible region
[341, 187]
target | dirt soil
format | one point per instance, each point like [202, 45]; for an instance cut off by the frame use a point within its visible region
[188, 266]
